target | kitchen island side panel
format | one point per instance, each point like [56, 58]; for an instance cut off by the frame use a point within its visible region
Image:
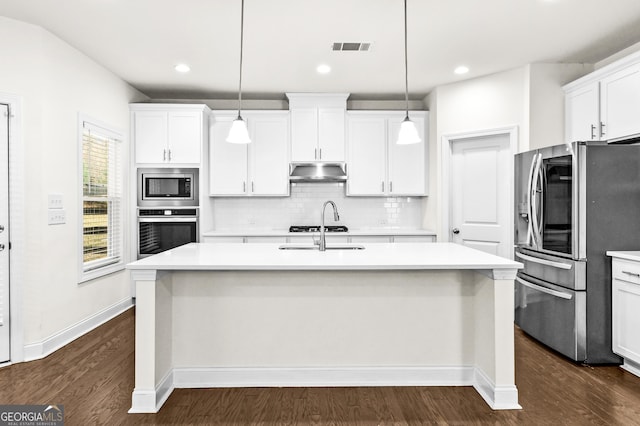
[323, 319]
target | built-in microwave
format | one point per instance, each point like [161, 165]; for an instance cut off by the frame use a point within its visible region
[167, 187]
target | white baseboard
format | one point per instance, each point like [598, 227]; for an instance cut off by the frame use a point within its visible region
[631, 367]
[498, 397]
[51, 344]
[150, 400]
[322, 377]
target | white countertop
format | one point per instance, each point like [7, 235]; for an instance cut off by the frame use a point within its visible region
[286, 233]
[628, 255]
[375, 256]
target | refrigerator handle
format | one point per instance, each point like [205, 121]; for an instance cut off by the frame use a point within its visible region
[543, 261]
[528, 200]
[555, 293]
[534, 191]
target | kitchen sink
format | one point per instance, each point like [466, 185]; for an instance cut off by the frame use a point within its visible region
[315, 247]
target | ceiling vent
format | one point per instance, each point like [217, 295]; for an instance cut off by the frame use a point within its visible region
[351, 47]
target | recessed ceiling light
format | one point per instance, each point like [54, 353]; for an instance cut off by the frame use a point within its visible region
[461, 70]
[182, 68]
[323, 69]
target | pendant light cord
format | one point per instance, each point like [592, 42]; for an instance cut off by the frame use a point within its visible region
[241, 46]
[406, 72]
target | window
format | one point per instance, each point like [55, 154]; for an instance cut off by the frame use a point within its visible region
[102, 202]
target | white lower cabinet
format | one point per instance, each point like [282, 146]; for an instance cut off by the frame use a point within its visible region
[363, 239]
[218, 240]
[330, 238]
[626, 312]
[414, 239]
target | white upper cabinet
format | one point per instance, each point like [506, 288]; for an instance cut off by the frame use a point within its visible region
[167, 134]
[407, 163]
[620, 103]
[376, 165]
[605, 105]
[257, 169]
[582, 113]
[317, 126]
[367, 142]
[269, 153]
[227, 161]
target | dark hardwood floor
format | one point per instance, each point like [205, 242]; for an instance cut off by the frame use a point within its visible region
[94, 376]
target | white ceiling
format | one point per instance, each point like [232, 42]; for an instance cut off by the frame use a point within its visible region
[142, 40]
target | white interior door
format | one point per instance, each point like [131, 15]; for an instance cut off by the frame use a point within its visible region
[4, 234]
[480, 185]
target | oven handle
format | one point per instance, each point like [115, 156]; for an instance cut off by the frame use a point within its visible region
[544, 261]
[167, 219]
[555, 293]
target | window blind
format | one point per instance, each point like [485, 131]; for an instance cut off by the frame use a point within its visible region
[102, 227]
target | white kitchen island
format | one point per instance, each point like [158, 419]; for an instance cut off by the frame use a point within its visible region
[251, 315]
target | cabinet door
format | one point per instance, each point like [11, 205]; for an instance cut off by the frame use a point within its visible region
[269, 159]
[331, 134]
[582, 114]
[185, 136]
[620, 104]
[414, 239]
[626, 319]
[371, 239]
[227, 161]
[367, 155]
[304, 134]
[150, 136]
[407, 163]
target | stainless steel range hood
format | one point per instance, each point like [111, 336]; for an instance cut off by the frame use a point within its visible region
[317, 172]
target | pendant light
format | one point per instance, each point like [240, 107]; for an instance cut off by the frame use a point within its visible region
[238, 132]
[408, 133]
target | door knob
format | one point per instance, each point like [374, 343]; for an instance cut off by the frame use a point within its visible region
[1, 228]
[455, 231]
[1, 247]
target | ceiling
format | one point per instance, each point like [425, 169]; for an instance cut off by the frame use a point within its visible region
[285, 40]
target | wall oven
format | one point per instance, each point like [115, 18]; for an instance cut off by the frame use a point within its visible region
[573, 203]
[167, 187]
[163, 229]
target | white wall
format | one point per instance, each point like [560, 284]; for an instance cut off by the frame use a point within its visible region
[56, 82]
[546, 101]
[529, 97]
[483, 103]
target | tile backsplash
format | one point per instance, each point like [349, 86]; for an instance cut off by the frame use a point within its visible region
[303, 207]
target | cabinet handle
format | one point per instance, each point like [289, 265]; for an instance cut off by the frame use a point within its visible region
[383, 186]
[252, 190]
[633, 274]
[164, 154]
[315, 153]
[593, 132]
[320, 156]
[169, 155]
[244, 186]
[602, 126]
[390, 186]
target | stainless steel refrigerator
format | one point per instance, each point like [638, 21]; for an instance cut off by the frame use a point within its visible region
[573, 203]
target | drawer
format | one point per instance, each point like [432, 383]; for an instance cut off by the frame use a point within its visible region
[626, 270]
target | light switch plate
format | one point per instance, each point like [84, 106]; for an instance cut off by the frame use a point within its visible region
[57, 216]
[55, 201]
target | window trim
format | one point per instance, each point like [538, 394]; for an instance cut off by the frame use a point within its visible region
[109, 267]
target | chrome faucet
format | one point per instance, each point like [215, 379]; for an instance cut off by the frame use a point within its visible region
[322, 243]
